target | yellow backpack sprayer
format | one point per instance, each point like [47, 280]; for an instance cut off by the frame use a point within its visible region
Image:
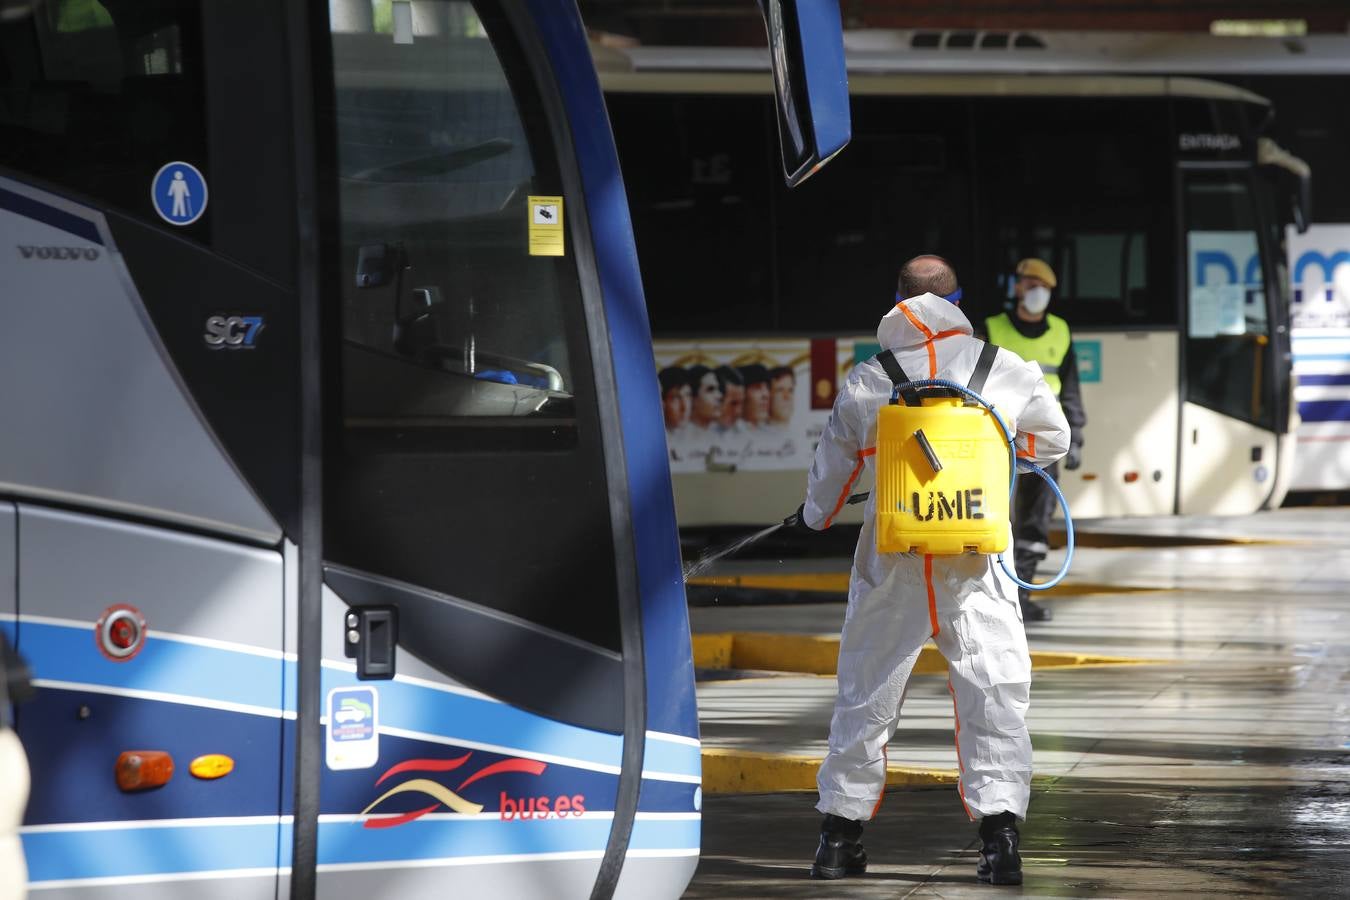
[942, 462]
[941, 465]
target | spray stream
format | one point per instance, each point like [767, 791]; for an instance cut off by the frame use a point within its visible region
[708, 557]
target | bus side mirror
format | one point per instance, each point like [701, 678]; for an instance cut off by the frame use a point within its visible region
[1300, 201]
[806, 52]
[374, 265]
[1294, 178]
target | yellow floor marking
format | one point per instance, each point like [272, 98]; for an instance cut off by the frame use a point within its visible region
[818, 654]
[837, 583]
[746, 772]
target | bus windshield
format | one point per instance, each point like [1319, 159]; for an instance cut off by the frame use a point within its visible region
[449, 311]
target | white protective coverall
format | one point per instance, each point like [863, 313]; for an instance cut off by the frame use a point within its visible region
[897, 601]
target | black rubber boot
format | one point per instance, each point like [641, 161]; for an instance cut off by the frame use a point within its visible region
[1000, 863]
[1035, 612]
[839, 853]
[1025, 566]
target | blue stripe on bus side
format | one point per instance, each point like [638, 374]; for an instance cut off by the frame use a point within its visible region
[140, 851]
[451, 838]
[49, 215]
[209, 674]
[465, 717]
[1323, 380]
[1320, 357]
[670, 757]
[109, 853]
[669, 796]
[72, 758]
[1324, 410]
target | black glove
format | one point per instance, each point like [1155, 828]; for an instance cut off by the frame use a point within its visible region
[797, 522]
[1074, 458]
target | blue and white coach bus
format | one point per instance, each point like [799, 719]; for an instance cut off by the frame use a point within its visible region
[335, 521]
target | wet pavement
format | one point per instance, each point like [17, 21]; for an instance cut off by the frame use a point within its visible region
[1221, 768]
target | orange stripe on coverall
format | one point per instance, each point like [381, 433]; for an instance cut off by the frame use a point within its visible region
[885, 764]
[1030, 452]
[848, 485]
[932, 599]
[928, 339]
[961, 767]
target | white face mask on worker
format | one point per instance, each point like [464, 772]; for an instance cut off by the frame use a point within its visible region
[1035, 300]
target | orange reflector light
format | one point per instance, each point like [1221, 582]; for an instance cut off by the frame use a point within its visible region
[1090, 476]
[139, 770]
[212, 765]
[1131, 477]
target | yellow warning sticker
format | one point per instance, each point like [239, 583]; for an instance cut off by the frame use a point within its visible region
[546, 226]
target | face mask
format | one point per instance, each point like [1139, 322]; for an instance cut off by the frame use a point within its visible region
[1035, 300]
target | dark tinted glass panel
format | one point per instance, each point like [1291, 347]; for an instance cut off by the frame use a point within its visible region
[464, 452]
[901, 188]
[961, 40]
[100, 98]
[96, 98]
[1086, 186]
[702, 174]
[1228, 347]
[1303, 126]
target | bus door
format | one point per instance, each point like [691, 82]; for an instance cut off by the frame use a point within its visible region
[149, 415]
[473, 674]
[1229, 434]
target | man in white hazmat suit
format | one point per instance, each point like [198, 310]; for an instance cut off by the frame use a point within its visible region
[897, 601]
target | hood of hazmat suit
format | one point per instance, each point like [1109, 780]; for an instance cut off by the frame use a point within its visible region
[897, 602]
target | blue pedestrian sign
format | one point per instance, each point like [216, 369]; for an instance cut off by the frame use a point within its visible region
[179, 193]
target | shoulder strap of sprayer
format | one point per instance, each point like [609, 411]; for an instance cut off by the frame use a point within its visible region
[899, 379]
[902, 382]
[982, 367]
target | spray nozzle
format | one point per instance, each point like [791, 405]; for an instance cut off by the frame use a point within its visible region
[795, 519]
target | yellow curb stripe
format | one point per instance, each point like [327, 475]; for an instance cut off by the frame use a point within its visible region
[712, 651]
[1109, 540]
[743, 772]
[837, 583]
[814, 654]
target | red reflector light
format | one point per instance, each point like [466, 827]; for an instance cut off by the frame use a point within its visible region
[1131, 477]
[122, 634]
[139, 770]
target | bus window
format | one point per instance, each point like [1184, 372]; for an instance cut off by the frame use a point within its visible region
[700, 197]
[96, 98]
[902, 187]
[1228, 329]
[464, 452]
[1060, 181]
[445, 311]
[96, 105]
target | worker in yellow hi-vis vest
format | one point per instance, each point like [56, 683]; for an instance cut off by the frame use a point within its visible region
[1036, 336]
